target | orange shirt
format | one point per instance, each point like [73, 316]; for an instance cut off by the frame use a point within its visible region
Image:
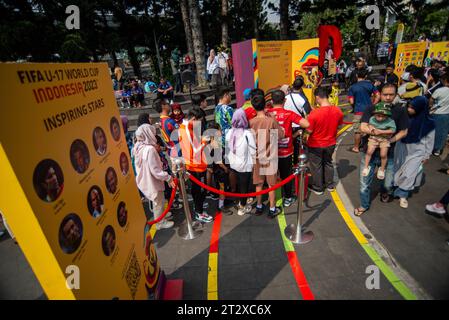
[192, 148]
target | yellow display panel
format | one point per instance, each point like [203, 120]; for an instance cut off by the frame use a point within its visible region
[70, 195]
[407, 54]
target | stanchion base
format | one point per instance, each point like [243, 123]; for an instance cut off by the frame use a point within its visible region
[184, 233]
[302, 238]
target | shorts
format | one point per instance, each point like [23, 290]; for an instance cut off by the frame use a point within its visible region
[259, 178]
[356, 122]
[378, 142]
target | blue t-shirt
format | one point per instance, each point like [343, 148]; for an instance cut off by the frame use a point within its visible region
[165, 86]
[362, 91]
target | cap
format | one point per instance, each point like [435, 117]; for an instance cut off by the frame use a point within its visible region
[246, 93]
[382, 108]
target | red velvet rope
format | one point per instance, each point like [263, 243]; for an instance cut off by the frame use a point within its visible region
[241, 195]
[170, 203]
[345, 122]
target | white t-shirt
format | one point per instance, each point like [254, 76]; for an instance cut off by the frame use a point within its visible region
[299, 101]
[212, 66]
[245, 151]
[441, 97]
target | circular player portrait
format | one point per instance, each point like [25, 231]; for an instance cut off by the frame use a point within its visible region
[70, 233]
[111, 180]
[108, 240]
[122, 214]
[115, 128]
[95, 201]
[48, 180]
[124, 164]
[79, 156]
[99, 139]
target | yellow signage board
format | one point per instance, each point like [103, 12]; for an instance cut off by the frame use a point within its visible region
[70, 195]
[438, 51]
[407, 54]
[274, 59]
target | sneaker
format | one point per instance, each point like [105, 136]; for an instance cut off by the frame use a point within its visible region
[177, 205]
[259, 210]
[317, 192]
[365, 171]
[209, 195]
[241, 210]
[289, 201]
[168, 215]
[203, 217]
[403, 203]
[205, 205]
[189, 197]
[330, 188]
[273, 213]
[248, 208]
[250, 201]
[164, 224]
[380, 174]
[436, 207]
[436, 153]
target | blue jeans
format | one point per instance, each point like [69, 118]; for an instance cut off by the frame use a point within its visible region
[401, 193]
[366, 182]
[441, 130]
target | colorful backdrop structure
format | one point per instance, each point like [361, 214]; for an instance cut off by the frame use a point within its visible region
[270, 64]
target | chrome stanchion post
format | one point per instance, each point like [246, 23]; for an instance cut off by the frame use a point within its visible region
[186, 231]
[292, 232]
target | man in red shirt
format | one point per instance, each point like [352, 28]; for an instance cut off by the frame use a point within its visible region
[285, 145]
[323, 129]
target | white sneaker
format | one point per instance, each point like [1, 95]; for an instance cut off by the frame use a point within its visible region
[241, 210]
[435, 208]
[380, 174]
[249, 201]
[365, 171]
[164, 224]
[248, 208]
[403, 203]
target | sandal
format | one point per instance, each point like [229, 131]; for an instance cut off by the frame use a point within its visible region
[352, 150]
[359, 211]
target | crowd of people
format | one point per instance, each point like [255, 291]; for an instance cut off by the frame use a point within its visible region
[398, 123]
[243, 150]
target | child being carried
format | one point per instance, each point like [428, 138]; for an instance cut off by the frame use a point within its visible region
[381, 121]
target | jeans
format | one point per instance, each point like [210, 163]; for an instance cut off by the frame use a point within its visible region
[400, 193]
[321, 167]
[441, 130]
[366, 182]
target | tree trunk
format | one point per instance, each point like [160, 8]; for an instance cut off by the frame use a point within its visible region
[446, 30]
[133, 59]
[224, 23]
[187, 27]
[198, 44]
[284, 19]
[254, 18]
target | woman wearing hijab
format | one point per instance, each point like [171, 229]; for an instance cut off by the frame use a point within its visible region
[212, 67]
[414, 150]
[150, 174]
[242, 150]
[176, 113]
